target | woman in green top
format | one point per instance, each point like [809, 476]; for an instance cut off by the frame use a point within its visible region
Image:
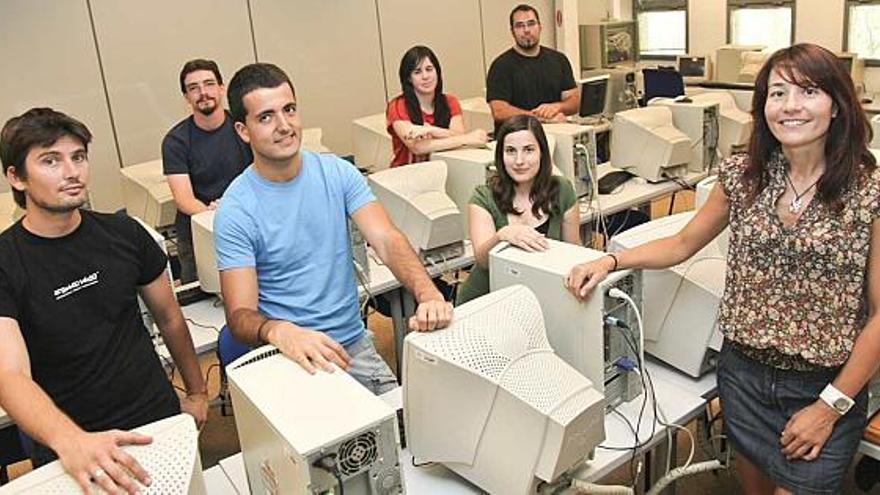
[523, 204]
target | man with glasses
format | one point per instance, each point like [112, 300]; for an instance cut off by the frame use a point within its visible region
[530, 78]
[201, 154]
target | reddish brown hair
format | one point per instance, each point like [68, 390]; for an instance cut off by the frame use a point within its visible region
[846, 148]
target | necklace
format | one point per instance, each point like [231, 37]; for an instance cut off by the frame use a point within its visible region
[796, 203]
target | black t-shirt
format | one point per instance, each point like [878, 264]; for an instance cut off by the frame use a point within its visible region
[212, 159]
[75, 301]
[526, 82]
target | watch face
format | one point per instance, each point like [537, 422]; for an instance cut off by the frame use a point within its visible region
[841, 405]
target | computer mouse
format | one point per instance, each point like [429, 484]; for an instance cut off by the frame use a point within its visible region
[612, 180]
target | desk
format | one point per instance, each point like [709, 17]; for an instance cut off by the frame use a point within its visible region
[201, 317]
[677, 404]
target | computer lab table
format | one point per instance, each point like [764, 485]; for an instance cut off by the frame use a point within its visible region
[676, 404]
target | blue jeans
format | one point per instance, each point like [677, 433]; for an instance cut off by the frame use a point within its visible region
[368, 367]
[758, 400]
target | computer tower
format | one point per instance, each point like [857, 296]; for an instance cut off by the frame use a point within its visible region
[576, 154]
[306, 434]
[579, 332]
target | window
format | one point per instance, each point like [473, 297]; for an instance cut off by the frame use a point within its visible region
[863, 29]
[662, 27]
[769, 23]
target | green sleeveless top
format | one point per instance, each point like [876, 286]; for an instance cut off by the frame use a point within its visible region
[477, 282]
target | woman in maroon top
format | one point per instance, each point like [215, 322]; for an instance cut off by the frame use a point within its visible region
[423, 119]
[799, 311]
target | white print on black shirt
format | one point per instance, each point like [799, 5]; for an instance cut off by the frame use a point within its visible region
[76, 286]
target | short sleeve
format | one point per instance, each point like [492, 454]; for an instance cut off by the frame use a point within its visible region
[567, 196]
[730, 176]
[395, 111]
[174, 154]
[152, 259]
[9, 303]
[234, 237]
[454, 105]
[354, 186]
[499, 85]
[873, 193]
[566, 75]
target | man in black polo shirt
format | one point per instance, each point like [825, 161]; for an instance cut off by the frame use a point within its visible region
[201, 154]
[76, 363]
[530, 78]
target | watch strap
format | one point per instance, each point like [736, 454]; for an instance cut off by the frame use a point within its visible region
[836, 399]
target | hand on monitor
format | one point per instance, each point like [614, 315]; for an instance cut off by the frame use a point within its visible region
[431, 315]
[524, 237]
[96, 458]
[584, 277]
[196, 405]
[308, 348]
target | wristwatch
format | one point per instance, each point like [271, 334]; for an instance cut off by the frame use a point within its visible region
[836, 399]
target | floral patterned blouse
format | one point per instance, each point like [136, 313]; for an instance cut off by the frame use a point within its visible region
[795, 297]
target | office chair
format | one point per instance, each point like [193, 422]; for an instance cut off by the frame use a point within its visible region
[228, 350]
[662, 82]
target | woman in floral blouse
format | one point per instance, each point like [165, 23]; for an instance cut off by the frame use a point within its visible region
[799, 311]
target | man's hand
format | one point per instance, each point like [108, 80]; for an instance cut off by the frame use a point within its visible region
[548, 111]
[584, 277]
[807, 431]
[432, 314]
[524, 237]
[97, 457]
[310, 349]
[196, 405]
[214, 204]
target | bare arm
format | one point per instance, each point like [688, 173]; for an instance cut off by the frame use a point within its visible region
[503, 110]
[82, 454]
[159, 299]
[807, 431]
[309, 348]
[709, 221]
[423, 140]
[395, 251]
[184, 198]
[484, 236]
[571, 101]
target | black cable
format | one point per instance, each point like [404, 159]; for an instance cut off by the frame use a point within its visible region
[201, 325]
[419, 464]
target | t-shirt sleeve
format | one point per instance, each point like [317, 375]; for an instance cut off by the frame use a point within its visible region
[8, 302]
[174, 155]
[567, 196]
[566, 74]
[395, 111]
[454, 105]
[153, 259]
[234, 237]
[354, 187]
[498, 83]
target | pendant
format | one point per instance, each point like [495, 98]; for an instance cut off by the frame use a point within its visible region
[795, 206]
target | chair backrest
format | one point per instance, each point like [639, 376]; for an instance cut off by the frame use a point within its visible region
[662, 82]
[228, 348]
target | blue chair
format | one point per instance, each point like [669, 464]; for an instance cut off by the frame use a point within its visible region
[228, 350]
[15, 446]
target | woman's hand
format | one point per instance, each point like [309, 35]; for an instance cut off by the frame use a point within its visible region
[524, 237]
[584, 277]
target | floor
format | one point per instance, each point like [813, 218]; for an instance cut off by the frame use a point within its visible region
[219, 438]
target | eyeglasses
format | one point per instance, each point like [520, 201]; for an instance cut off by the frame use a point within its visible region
[527, 24]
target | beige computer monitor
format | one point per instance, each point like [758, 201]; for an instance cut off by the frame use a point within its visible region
[728, 61]
[147, 195]
[646, 142]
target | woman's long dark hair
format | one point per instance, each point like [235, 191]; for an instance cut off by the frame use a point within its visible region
[411, 59]
[846, 147]
[545, 190]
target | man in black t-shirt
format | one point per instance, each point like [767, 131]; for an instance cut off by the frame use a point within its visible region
[201, 154]
[76, 363]
[530, 78]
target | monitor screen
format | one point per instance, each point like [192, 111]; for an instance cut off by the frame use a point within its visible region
[593, 93]
[692, 66]
[847, 61]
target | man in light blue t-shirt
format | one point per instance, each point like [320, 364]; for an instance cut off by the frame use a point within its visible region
[282, 241]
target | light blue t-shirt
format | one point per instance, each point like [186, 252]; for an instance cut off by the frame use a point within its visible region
[295, 234]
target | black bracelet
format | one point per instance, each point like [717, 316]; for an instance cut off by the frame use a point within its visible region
[615, 261]
[260, 330]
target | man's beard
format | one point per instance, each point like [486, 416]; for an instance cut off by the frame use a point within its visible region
[207, 111]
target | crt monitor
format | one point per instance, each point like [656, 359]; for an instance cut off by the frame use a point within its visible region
[693, 67]
[734, 124]
[680, 303]
[855, 67]
[490, 399]
[594, 94]
[646, 142]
